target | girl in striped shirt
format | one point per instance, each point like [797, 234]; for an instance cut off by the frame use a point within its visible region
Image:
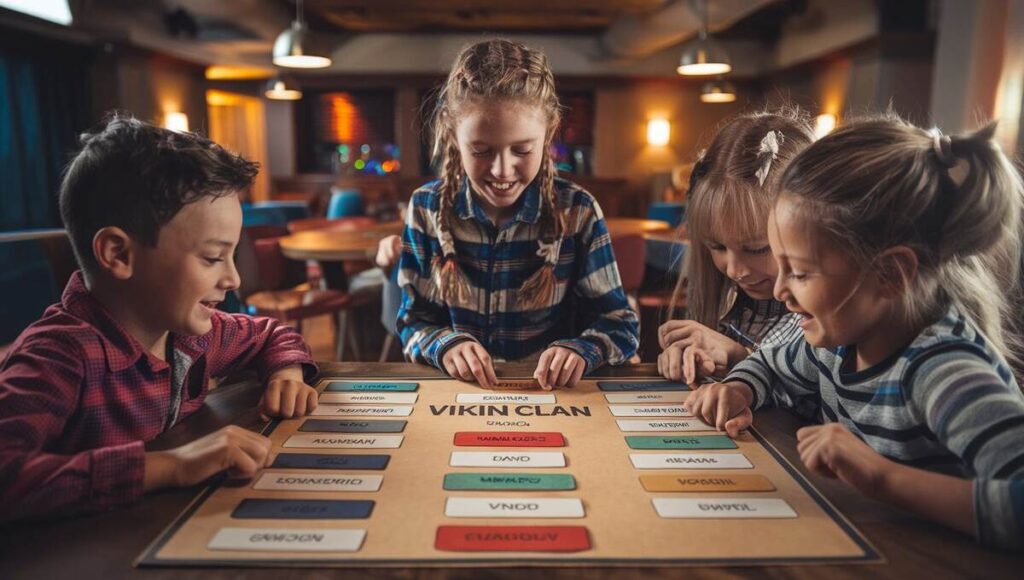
[897, 246]
[501, 258]
[729, 267]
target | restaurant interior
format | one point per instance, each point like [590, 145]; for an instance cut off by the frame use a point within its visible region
[332, 98]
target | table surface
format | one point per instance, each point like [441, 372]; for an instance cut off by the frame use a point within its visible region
[336, 245]
[106, 545]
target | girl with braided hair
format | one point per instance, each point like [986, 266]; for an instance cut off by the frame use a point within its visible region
[501, 258]
[729, 269]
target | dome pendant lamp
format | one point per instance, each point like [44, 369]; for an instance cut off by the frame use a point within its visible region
[703, 56]
[292, 47]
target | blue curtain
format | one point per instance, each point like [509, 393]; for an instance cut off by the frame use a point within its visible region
[44, 105]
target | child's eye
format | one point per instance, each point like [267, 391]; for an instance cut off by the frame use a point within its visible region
[522, 152]
[758, 251]
[715, 247]
[483, 153]
[212, 261]
[796, 276]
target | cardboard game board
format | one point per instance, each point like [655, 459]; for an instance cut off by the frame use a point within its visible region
[427, 472]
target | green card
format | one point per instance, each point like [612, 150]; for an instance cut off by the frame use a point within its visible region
[510, 481]
[681, 442]
[370, 386]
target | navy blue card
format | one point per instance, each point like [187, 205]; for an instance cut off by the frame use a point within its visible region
[352, 426]
[303, 509]
[642, 386]
[327, 461]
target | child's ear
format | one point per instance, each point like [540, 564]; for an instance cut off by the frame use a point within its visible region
[114, 250]
[897, 268]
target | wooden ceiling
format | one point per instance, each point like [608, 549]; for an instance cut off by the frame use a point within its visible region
[572, 16]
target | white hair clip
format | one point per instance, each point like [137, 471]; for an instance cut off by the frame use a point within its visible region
[943, 147]
[549, 251]
[769, 150]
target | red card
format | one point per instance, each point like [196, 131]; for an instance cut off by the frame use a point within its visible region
[508, 439]
[512, 539]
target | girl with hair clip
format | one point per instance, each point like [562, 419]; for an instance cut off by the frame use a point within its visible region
[729, 269]
[501, 258]
[897, 246]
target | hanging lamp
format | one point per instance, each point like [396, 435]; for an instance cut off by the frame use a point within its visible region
[278, 90]
[292, 47]
[704, 56]
[718, 91]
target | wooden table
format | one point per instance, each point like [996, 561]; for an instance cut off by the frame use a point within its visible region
[338, 245]
[626, 226]
[104, 546]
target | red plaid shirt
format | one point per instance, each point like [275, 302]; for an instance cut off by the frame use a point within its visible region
[79, 397]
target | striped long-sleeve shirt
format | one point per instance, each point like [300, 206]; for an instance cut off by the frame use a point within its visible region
[589, 313]
[947, 403]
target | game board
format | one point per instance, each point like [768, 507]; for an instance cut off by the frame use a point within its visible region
[428, 472]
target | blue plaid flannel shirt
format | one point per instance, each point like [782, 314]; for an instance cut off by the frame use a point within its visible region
[589, 315]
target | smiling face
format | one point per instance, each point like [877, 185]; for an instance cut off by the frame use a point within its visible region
[746, 261]
[502, 146]
[842, 304]
[191, 268]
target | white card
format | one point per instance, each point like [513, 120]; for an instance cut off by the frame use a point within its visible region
[511, 398]
[689, 461]
[339, 441]
[312, 481]
[734, 507]
[287, 540]
[509, 458]
[370, 398]
[649, 411]
[513, 507]
[666, 397]
[667, 425]
[361, 410]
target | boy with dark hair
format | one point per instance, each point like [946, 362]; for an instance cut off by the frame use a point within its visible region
[154, 218]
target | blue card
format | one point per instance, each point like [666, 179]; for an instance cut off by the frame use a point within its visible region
[352, 426]
[303, 509]
[329, 461]
[642, 386]
[370, 386]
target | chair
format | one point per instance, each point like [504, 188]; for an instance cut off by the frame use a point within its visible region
[292, 210]
[345, 203]
[667, 211]
[263, 216]
[630, 251]
[390, 302]
[271, 286]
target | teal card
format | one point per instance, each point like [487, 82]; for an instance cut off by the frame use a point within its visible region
[681, 442]
[370, 386]
[509, 481]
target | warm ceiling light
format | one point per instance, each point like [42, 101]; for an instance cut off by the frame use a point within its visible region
[658, 132]
[718, 91]
[176, 121]
[292, 47]
[703, 56]
[277, 89]
[824, 124]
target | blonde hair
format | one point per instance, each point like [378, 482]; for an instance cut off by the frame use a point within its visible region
[882, 182]
[488, 71]
[732, 189]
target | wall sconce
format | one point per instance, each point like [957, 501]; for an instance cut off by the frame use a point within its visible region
[176, 121]
[658, 132]
[824, 124]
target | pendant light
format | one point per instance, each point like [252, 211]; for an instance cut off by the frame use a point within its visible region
[292, 47]
[278, 90]
[718, 91]
[703, 56]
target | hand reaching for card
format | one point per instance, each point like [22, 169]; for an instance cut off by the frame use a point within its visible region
[687, 364]
[239, 451]
[726, 406]
[559, 367]
[287, 395]
[469, 361]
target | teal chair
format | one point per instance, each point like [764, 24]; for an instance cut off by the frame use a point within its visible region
[667, 211]
[345, 203]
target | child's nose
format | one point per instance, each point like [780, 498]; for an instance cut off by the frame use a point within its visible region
[779, 290]
[502, 167]
[231, 279]
[734, 267]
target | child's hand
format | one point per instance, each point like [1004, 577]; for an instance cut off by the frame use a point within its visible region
[683, 333]
[724, 405]
[559, 367]
[389, 249]
[687, 364]
[833, 451]
[235, 449]
[287, 395]
[468, 361]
